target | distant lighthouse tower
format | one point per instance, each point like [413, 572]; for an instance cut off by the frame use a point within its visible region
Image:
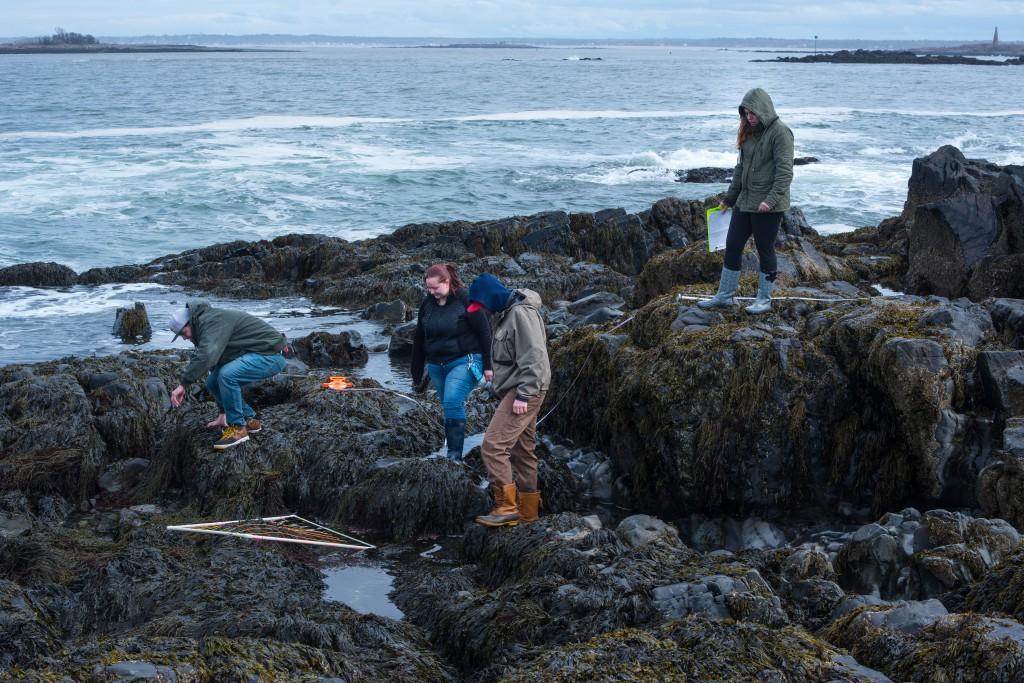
[995, 38]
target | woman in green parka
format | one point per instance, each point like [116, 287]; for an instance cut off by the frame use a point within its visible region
[759, 194]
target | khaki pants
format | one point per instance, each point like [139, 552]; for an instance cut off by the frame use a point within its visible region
[509, 444]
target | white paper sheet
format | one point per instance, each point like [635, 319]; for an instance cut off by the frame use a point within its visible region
[718, 228]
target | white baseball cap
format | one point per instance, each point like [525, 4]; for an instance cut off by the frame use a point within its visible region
[178, 320]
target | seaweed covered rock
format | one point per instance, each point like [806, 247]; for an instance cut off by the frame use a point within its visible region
[38, 274]
[697, 649]
[404, 499]
[920, 642]
[690, 265]
[821, 405]
[561, 580]
[132, 324]
[27, 627]
[49, 442]
[327, 350]
[222, 610]
[313, 446]
[556, 253]
[1001, 591]
[914, 556]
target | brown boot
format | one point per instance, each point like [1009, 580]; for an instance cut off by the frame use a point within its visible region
[505, 512]
[529, 506]
[231, 436]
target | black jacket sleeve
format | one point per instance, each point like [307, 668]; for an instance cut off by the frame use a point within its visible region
[481, 327]
[419, 353]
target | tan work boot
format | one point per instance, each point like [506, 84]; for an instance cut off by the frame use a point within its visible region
[505, 512]
[529, 506]
[232, 436]
[252, 425]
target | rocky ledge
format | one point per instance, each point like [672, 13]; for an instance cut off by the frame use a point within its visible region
[829, 492]
[891, 57]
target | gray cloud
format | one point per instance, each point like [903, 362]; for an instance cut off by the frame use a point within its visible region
[935, 19]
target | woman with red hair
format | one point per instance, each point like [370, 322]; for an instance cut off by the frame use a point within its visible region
[453, 345]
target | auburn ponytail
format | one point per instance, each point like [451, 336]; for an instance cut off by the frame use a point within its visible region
[445, 272]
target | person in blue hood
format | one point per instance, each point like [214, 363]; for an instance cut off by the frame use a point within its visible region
[522, 375]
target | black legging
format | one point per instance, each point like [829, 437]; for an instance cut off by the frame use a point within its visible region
[764, 227]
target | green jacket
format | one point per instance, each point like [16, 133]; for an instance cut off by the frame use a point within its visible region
[765, 168]
[222, 335]
[519, 348]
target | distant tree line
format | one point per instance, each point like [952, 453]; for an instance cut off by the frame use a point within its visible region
[62, 37]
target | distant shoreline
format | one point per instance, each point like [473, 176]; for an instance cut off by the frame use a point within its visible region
[16, 49]
[889, 57]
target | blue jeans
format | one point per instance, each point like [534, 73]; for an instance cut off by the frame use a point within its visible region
[225, 383]
[453, 381]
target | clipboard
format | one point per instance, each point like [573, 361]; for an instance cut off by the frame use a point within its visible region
[718, 228]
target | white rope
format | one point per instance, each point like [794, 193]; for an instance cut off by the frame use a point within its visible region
[776, 298]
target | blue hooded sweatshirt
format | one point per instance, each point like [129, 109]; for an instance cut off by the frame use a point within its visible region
[488, 290]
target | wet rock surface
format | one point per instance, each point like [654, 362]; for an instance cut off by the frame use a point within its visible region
[827, 492]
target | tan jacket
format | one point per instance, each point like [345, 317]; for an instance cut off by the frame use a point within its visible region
[519, 348]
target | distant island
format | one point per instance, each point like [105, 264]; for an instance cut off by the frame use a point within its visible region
[511, 46]
[891, 57]
[69, 42]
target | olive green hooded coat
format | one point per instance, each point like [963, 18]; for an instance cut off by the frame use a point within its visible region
[765, 168]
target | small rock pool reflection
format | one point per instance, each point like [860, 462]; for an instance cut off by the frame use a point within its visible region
[364, 588]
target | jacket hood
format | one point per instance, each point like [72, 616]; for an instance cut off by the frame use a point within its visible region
[758, 101]
[488, 290]
[196, 309]
[528, 298]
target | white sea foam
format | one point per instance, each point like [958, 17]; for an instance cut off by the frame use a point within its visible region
[966, 140]
[29, 302]
[381, 158]
[833, 228]
[883, 151]
[825, 135]
[225, 125]
[650, 166]
[577, 114]
[845, 111]
[625, 176]
[278, 122]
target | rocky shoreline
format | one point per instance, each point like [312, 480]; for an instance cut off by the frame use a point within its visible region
[830, 492]
[107, 48]
[892, 57]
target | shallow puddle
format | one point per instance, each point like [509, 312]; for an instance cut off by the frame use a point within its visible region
[364, 589]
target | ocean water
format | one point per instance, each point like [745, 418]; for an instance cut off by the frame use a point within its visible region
[114, 159]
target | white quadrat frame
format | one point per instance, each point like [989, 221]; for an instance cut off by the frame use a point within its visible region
[211, 528]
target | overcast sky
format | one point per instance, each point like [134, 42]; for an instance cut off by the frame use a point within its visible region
[869, 19]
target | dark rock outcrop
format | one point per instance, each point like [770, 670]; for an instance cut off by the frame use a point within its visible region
[890, 57]
[966, 221]
[326, 350]
[38, 275]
